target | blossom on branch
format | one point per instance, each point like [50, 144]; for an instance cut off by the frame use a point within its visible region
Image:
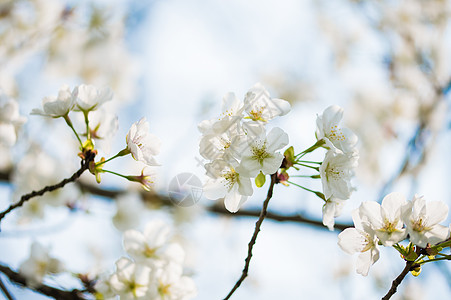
[328, 128]
[142, 144]
[360, 239]
[229, 182]
[422, 221]
[89, 97]
[261, 154]
[260, 107]
[58, 106]
[336, 172]
[386, 219]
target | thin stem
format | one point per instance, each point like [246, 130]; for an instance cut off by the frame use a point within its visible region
[88, 132]
[446, 257]
[306, 176]
[84, 166]
[69, 123]
[319, 194]
[307, 166]
[121, 153]
[5, 291]
[254, 236]
[310, 162]
[114, 173]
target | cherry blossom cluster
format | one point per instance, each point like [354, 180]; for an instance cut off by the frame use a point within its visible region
[238, 146]
[337, 168]
[340, 161]
[87, 99]
[390, 223]
[152, 270]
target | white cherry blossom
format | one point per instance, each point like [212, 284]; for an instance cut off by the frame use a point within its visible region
[328, 128]
[39, 264]
[386, 219]
[58, 106]
[261, 154]
[260, 107]
[226, 141]
[153, 246]
[172, 285]
[227, 181]
[129, 209]
[422, 221]
[336, 172]
[231, 113]
[89, 97]
[131, 281]
[360, 239]
[332, 209]
[142, 144]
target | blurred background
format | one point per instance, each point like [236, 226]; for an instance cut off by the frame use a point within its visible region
[385, 62]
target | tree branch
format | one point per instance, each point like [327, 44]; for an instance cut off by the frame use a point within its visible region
[254, 236]
[84, 166]
[214, 209]
[43, 289]
[5, 291]
[398, 280]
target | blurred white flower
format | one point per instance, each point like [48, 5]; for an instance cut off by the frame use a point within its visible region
[89, 97]
[10, 120]
[260, 107]
[227, 181]
[129, 211]
[386, 219]
[327, 128]
[171, 285]
[56, 107]
[142, 144]
[232, 112]
[422, 218]
[39, 264]
[261, 155]
[360, 239]
[226, 141]
[336, 172]
[332, 209]
[131, 281]
[153, 246]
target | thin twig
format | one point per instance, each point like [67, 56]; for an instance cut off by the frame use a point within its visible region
[159, 199]
[254, 236]
[5, 291]
[84, 166]
[43, 289]
[398, 280]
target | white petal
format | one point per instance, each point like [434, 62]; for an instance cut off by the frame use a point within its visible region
[351, 240]
[437, 211]
[233, 201]
[277, 139]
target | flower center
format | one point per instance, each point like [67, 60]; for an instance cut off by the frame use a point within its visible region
[231, 177]
[389, 227]
[259, 152]
[336, 134]
[419, 225]
[257, 113]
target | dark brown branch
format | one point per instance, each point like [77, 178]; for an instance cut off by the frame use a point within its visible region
[84, 166]
[296, 218]
[5, 291]
[254, 236]
[215, 209]
[409, 266]
[43, 289]
[398, 280]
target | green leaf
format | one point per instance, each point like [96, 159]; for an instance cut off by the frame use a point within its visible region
[260, 179]
[289, 153]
